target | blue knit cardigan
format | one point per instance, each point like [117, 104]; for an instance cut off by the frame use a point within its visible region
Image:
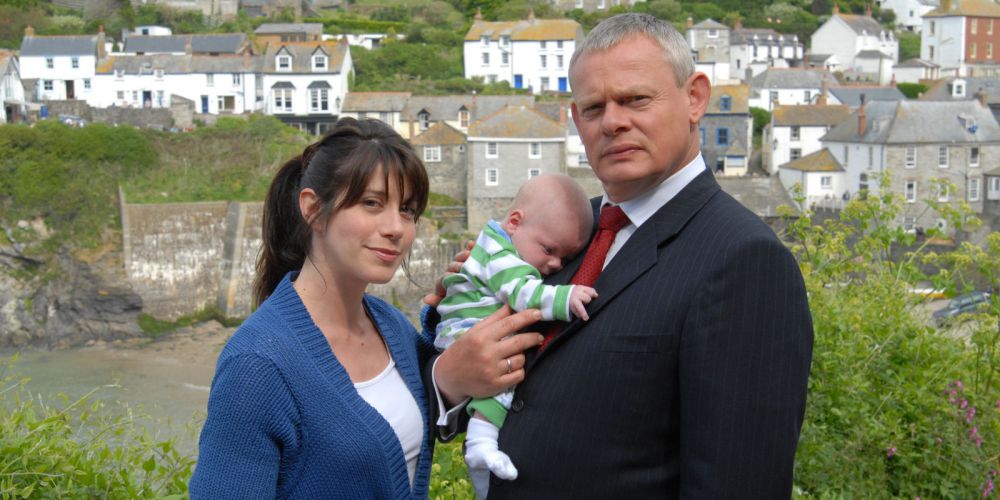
[285, 421]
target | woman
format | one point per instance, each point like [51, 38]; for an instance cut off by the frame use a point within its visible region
[318, 394]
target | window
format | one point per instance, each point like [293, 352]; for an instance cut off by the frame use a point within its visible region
[492, 177]
[559, 44]
[486, 58]
[209, 79]
[807, 96]
[932, 29]
[121, 95]
[722, 136]
[972, 50]
[974, 26]
[713, 33]
[559, 61]
[989, 51]
[544, 60]
[484, 40]
[943, 157]
[600, 4]
[863, 186]
[545, 83]
[74, 62]
[432, 154]
[794, 154]
[119, 74]
[425, 120]
[319, 62]
[847, 154]
[463, 118]
[504, 40]
[773, 96]
[702, 130]
[826, 182]
[535, 150]
[995, 186]
[225, 103]
[534, 172]
[158, 74]
[974, 156]
[582, 160]
[159, 98]
[504, 58]
[796, 132]
[909, 224]
[491, 150]
[543, 44]
[384, 117]
[283, 100]
[283, 63]
[48, 85]
[237, 79]
[871, 156]
[579, 4]
[911, 158]
[86, 84]
[942, 191]
[989, 27]
[319, 100]
[910, 191]
[725, 103]
[50, 63]
[973, 189]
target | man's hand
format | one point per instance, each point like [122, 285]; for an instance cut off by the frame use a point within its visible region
[487, 359]
[434, 298]
[578, 300]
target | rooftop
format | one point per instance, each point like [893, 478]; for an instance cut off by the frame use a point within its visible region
[919, 122]
[281, 28]
[439, 133]
[530, 29]
[375, 101]
[970, 8]
[862, 24]
[819, 161]
[59, 46]
[762, 195]
[809, 115]
[517, 122]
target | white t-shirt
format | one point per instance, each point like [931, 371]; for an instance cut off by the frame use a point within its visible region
[388, 394]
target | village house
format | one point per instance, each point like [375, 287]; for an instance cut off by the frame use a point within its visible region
[915, 70]
[727, 130]
[862, 47]
[533, 53]
[818, 178]
[459, 111]
[275, 33]
[384, 106]
[932, 150]
[59, 67]
[909, 12]
[795, 131]
[764, 196]
[985, 89]
[787, 86]
[754, 50]
[961, 36]
[219, 44]
[12, 102]
[505, 149]
[304, 83]
[709, 40]
[443, 149]
[852, 95]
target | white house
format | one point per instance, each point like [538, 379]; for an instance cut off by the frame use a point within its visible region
[304, 83]
[914, 70]
[788, 86]
[845, 36]
[795, 132]
[59, 67]
[11, 89]
[150, 29]
[385, 106]
[533, 53]
[758, 49]
[818, 175]
[963, 38]
[909, 12]
[216, 84]
[203, 44]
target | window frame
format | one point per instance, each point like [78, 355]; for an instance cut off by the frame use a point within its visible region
[720, 134]
[319, 100]
[534, 150]
[969, 191]
[910, 157]
[496, 150]
[432, 154]
[943, 156]
[910, 187]
[495, 174]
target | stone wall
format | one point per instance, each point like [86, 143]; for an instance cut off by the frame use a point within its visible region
[160, 118]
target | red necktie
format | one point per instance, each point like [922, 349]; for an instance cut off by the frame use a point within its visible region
[612, 219]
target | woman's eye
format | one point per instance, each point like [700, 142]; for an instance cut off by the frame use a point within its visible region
[371, 202]
[408, 212]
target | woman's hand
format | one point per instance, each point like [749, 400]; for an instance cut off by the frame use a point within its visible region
[488, 359]
[434, 298]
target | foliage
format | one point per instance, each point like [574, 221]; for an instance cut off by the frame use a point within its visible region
[911, 90]
[154, 328]
[896, 408]
[761, 117]
[449, 476]
[909, 45]
[82, 449]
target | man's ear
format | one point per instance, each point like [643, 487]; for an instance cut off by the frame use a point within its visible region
[699, 92]
[309, 206]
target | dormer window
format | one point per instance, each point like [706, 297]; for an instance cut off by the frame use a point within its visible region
[319, 62]
[158, 73]
[484, 40]
[119, 74]
[725, 103]
[283, 63]
[463, 118]
[504, 40]
[425, 120]
[958, 88]
[50, 63]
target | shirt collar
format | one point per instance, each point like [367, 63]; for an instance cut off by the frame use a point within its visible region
[641, 208]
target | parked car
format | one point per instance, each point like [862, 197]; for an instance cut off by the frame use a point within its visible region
[967, 303]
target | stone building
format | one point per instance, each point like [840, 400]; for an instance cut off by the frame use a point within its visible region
[727, 130]
[443, 149]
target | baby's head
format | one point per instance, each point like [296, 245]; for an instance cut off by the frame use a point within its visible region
[549, 221]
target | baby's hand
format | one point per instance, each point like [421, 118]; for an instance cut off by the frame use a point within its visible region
[578, 300]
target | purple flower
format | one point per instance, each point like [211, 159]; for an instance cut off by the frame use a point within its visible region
[965, 402]
[988, 488]
[970, 414]
[958, 384]
[890, 452]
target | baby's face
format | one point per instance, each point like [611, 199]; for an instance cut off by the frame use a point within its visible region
[545, 241]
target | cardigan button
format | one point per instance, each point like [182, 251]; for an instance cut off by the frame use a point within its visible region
[517, 405]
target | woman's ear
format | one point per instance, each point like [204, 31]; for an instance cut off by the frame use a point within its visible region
[309, 206]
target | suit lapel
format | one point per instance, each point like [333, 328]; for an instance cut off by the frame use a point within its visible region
[638, 255]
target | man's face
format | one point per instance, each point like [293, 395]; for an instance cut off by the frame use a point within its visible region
[637, 125]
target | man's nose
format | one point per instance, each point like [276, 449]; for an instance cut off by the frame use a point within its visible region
[615, 119]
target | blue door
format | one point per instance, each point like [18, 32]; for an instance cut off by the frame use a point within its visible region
[204, 104]
[518, 82]
[562, 84]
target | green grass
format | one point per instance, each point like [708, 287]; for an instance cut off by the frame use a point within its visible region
[155, 328]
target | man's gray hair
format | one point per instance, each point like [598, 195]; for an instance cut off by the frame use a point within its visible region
[615, 30]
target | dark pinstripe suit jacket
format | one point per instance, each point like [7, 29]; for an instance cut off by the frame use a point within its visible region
[689, 380]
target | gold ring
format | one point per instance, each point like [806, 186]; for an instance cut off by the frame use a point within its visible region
[510, 368]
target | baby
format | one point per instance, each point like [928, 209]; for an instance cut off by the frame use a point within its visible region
[549, 222]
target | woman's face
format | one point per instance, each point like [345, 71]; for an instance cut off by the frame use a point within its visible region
[366, 242]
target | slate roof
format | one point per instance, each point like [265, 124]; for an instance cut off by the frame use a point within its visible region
[993, 173]
[227, 43]
[791, 78]
[976, 8]
[862, 24]
[761, 195]
[531, 29]
[59, 46]
[916, 63]
[517, 122]
[818, 161]
[738, 93]
[918, 122]
[302, 53]
[178, 64]
[439, 133]
[710, 24]
[6, 60]
[746, 35]
[811, 115]
[446, 107]
[851, 96]
[282, 28]
[871, 54]
[551, 109]
[375, 101]
[941, 91]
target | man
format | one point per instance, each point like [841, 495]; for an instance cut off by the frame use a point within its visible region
[689, 380]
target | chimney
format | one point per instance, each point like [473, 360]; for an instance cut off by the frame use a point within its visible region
[821, 100]
[531, 15]
[690, 21]
[861, 117]
[945, 5]
[868, 10]
[739, 24]
[29, 31]
[479, 14]
[981, 96]
[246, 59]
[101, 47]
[562, 114]
[836, 8]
